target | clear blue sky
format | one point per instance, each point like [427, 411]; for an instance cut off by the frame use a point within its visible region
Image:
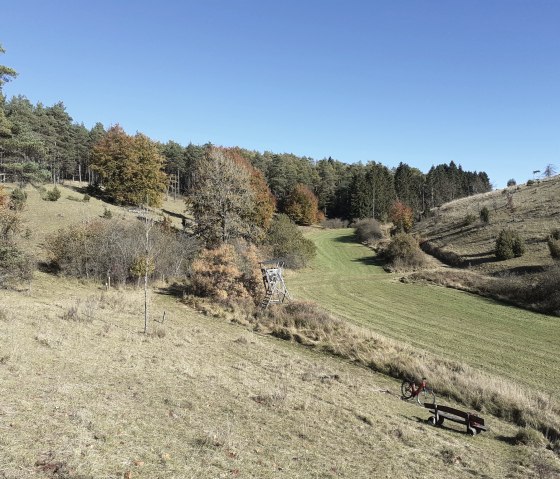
[422, 82]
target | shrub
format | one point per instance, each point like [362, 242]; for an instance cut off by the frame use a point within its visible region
[529, 437]
[485, 214]
[287, 243]
[530, 182]
[403, 252]
[469, 219]
[3, 197]
[367, 230]
[15, 265]
[304, 322]
[334, 223]
[11, 224]
[554, 243]
[18, 199]
[107, 213]
[52, 195]
[86, 198]
[509, 245]
[511, 182]
[98, 249]
[227, 275]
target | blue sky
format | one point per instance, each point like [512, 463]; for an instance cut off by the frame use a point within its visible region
[422, 82]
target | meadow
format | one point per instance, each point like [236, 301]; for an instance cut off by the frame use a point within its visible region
[85, 394]
[509, 342]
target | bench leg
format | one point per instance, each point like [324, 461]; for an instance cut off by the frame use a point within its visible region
[472, 431]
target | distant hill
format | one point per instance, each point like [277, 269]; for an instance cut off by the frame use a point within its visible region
[531, 210]
[455, 234]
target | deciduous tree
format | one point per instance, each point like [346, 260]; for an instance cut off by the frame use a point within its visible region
[130, 167]
[222, 200]
[302, 205]
[401, 216]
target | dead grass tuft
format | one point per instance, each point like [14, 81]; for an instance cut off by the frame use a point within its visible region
[273, 398]
[529, 437]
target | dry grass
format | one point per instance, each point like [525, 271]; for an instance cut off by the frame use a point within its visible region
[98, 399]
[306, 323]
[535, 212]
[531, 212]
[44, 218]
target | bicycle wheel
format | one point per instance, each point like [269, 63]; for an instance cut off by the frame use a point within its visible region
[407, 388]
[426, 396]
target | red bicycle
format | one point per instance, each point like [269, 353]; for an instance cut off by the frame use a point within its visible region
[422, 393]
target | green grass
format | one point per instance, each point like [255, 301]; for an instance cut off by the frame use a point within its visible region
[500, 339]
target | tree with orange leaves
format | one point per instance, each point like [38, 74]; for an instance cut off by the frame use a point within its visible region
[302, 205]
[402, 216]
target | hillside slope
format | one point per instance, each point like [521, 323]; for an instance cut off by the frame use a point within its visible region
[532, 210]
[86, 395]
[502, 340]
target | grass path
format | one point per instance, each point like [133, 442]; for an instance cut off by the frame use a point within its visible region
[346, 279]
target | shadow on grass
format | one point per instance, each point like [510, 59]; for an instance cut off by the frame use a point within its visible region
[347, 239]
[48, 267]
[521, 270]
[94, 193]
[507, 439]
[478, 259]
[448, 425]
[370, 261]
[176, 290]
[175, 215]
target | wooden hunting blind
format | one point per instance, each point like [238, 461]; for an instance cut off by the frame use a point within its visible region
[276, 290]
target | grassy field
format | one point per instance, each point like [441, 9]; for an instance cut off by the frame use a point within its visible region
[500, 339]
[86, 395]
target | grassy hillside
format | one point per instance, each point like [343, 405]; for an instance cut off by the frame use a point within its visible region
[536, 211]
[46, 217]
[500, 339]
[86, 395]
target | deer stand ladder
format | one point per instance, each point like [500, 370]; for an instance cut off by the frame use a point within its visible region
[276, 290]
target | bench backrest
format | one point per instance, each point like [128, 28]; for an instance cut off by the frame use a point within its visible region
[456, 412]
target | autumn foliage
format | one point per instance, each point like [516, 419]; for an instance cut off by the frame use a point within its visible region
[302, 205]
[402, 216]
[264, 201]
[228, 273]
[131, 167]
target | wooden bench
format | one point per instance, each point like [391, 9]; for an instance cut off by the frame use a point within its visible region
[474, 423]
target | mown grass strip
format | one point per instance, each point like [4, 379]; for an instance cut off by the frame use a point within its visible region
[503, 340]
